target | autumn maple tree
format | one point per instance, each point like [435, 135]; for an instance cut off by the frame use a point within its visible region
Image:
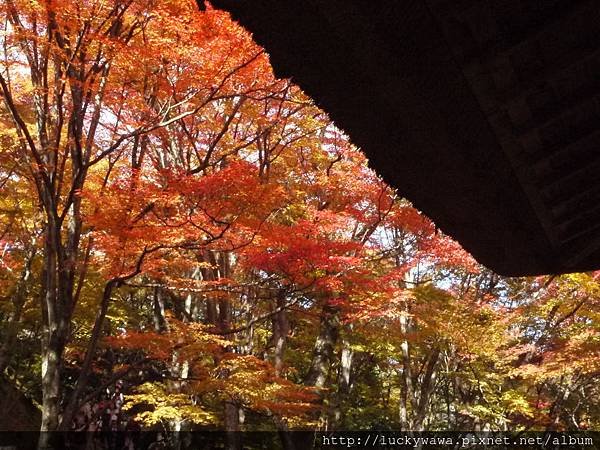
[180, 223]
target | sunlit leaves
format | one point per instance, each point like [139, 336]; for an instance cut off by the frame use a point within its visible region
[244, 380]
[161, 406]
[230, 222]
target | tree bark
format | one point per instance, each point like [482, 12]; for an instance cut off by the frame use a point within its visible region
[158, 311]
[56, 319]
[406, 388]
[336, 411]
[427, 387]
[232, 426]
[324, 347]
[280, 330]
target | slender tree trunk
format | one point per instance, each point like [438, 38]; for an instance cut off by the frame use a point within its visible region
[285, 436]
[51, 389]
[324, 347]
[346, 366]
[557, 406]
[55, 336]
[232, 410]
[53, 346]
[56, 320]
[224, 265]
[427, 387]
[232, 426]
[158, 311]
[218, 314]
[209, 275]
[406, 388]
[323, 354]
[336, 411]
[280, 330]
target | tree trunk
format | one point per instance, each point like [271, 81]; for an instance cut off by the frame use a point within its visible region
[336, 416]
[324, 347]
[406, 388]
[427, 387]
[280, 329]
[557, 406]
[208, 274]
[285, 436]
[158, 311]
[224, 265]
[51, 371]
[56, 319]
[232, 426]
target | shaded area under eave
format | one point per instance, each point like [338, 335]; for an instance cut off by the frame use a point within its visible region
[444, 98]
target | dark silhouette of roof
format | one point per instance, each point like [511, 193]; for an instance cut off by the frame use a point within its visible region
[485, 114]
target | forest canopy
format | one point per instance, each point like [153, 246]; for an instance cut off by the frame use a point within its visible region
[190, 243]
